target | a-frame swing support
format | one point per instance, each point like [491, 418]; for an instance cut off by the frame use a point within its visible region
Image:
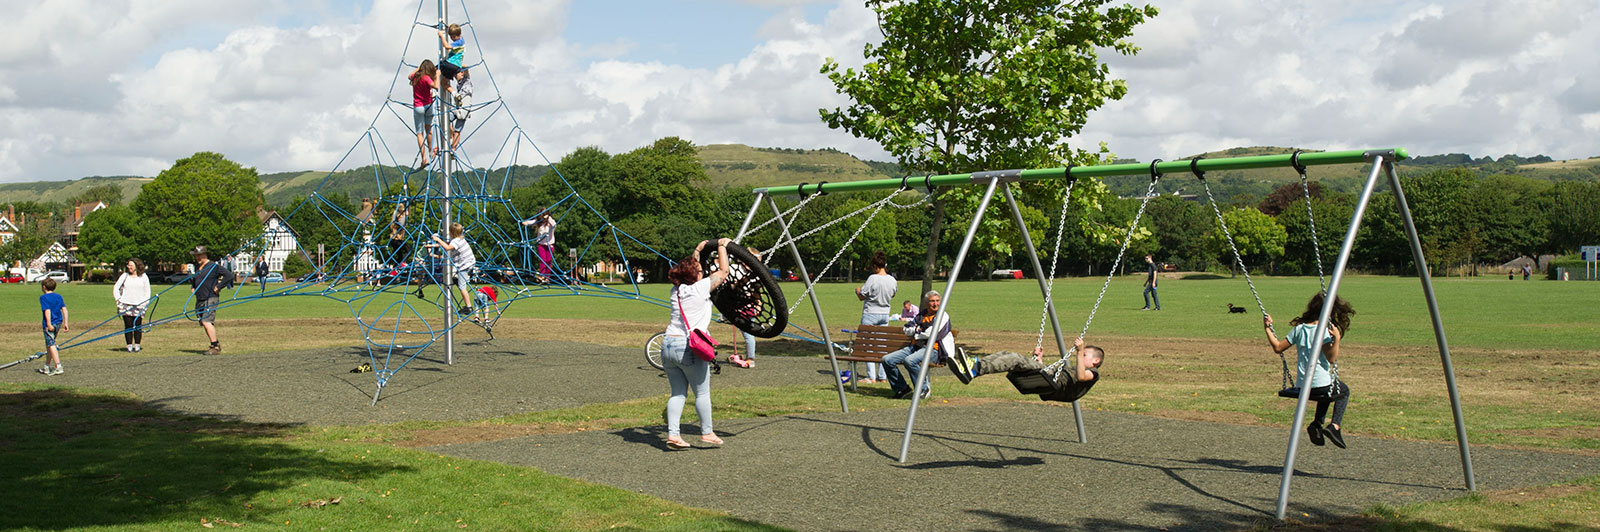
[1382, 161]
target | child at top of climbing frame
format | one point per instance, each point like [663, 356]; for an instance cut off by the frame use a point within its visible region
[424, 81]
[462, 96]
[1325, 387]
[454, 47]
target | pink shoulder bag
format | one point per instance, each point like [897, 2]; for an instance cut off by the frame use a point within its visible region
[700, 342]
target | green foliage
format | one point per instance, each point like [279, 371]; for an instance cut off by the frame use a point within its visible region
[328, 221]
[1257, 236]
[1332, 217]
[983, 84]
[202, 200]
[112, 236]
[109, 193]
[1180, 227]
[1574, 215]
[295, 266]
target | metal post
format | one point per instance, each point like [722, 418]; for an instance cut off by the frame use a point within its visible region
[1438, 324]
[444, 226]
[1049, 303]
[827, 339]
[754, 206]
[1322, 328]
[941, 316]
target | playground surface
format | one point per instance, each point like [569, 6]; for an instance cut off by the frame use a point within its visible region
[974, 465]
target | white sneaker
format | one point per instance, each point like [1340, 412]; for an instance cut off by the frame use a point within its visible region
[59, 370]
[137, 348]
[130, 348]
[45, 370]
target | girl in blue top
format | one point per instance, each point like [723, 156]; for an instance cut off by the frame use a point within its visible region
[1324, 389]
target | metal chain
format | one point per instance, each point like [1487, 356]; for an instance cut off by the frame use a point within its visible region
[1316, 249]
[1057, 367]
[877, 206]
[795, 208]
[1055, 254]
[793, 239]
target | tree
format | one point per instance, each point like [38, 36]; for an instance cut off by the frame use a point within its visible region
[1332, 218]
[1574, 215]
[961, 85]
[31, 240]
[1180, 228]
[1289, 196]
[108, 193]
[1258, 238]
[1510, 214]
[327, 221]
[204, 199]
[111, 235]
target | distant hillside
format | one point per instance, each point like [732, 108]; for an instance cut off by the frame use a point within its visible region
[741, 165]
[64, 191]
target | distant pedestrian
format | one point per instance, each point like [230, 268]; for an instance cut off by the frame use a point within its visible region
[261, 271]
[1526, 271]
[54, 309]
[1510, 275]
[210, 278]
[1150, 285]
[132, 294]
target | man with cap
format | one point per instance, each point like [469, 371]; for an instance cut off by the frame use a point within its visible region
[209, 279]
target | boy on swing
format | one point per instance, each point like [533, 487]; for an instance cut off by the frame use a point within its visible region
[1072, 383]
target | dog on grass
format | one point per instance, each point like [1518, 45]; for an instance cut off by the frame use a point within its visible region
[1235, 310]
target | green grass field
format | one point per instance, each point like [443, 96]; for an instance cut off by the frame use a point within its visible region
[1524, 354]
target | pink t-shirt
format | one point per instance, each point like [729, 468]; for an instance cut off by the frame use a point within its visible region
[422, 91]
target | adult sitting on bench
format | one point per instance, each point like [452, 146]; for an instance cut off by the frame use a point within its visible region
[912, 355]
[1069, 385]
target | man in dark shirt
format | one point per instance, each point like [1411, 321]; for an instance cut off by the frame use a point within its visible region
[1071, 383]
[209, 279]
[1150, 285]
[261, 272]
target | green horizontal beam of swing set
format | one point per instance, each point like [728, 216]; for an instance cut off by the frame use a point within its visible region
[1107, 170]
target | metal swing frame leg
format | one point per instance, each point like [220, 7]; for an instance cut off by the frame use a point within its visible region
[1381, 162]
[827, 338]
[1049, 302]
[941, 318]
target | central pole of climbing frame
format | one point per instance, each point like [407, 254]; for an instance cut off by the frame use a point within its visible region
[444, 220]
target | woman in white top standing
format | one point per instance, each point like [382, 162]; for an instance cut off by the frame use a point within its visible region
[875, 294]
[691, 309]
[132, 293]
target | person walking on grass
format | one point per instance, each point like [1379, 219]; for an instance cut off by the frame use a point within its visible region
[691, 311]
[210, 278]
[1324, 389]
[875, 294]
[132, 294]
[261, 272]
[465, 262]
[1150, 285]
[54, 309]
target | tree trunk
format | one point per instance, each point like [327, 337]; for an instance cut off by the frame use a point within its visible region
[930, 264]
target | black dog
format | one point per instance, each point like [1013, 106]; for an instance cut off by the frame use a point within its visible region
[1235, 310]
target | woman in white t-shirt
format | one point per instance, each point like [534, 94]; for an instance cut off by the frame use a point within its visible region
[875, 295]
[132, 293]
[691, 309]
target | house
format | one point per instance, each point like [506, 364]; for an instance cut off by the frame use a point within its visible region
[10, 225]
[68, 240]
[277, 242]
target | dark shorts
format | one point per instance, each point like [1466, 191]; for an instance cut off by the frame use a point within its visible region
[206, 310]
[50, 338]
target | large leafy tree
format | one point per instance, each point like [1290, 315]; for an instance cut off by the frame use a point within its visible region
[111, 235]
[1258, 237]
[1574, 215]
[961, 85]
[204, 199]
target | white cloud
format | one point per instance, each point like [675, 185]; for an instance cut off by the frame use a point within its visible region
[143, 83]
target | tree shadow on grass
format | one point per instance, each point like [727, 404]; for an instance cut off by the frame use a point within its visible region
[79, 460]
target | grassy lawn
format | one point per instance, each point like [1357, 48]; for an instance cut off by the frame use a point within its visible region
[1524, 355]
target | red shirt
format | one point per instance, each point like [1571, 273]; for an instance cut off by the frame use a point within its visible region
[489, 291]
[422, 91]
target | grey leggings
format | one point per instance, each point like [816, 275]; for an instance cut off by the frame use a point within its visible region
[683, 371]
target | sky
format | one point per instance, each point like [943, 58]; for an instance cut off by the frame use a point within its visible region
[126, 87]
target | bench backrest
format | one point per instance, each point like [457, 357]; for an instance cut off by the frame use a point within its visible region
[878, 340]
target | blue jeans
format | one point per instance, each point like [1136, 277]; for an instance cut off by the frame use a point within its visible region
[1149, 294]
[749, 344]
[421, 117]
[912, 357]
[874, 371]
[683, 371]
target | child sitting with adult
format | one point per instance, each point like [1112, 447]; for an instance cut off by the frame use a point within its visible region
[1070, 383]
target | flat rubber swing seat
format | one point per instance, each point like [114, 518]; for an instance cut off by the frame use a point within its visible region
[1317, 394]
[1033, 381]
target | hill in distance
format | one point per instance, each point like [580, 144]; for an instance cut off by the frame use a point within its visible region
[738, 165]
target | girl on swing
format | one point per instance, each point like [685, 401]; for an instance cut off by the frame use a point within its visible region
[1324, 389]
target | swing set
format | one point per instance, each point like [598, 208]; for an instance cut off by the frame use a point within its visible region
[1044, 381]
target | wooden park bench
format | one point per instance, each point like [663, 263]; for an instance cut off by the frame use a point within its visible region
[873, 342]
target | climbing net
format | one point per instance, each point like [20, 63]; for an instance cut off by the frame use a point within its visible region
[382, 263]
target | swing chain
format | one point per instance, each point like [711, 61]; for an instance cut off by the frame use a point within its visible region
[875, 206]
[1055, 254]
[1305, 188]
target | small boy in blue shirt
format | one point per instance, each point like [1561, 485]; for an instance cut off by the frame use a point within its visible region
[54, 309]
